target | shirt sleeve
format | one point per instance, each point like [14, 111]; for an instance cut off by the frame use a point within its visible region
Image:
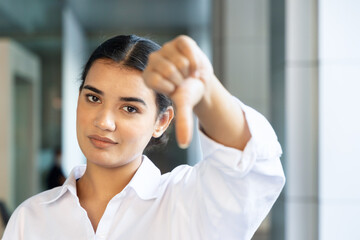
[235, 190]
[13, 228]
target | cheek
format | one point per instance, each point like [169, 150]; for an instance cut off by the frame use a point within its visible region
[83, 117]
[79, 116]
[137, 131]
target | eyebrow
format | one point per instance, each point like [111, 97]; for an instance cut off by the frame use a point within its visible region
[133, 99]
[94, 89]
[125, 99]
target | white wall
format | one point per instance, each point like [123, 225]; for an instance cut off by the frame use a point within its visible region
[339, 119]
[73, 59]
[323, 116]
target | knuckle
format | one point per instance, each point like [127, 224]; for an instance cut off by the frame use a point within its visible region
[185, 40]
[169, 71]
[182, 62]
[155, 81]
[145, 75]
[147, 78]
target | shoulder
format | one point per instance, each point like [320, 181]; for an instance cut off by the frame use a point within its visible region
[44, 197]
[35, 202]
[182, 179]
[29, 211]
[177, 173]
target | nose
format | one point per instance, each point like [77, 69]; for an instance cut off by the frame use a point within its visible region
[105, 121]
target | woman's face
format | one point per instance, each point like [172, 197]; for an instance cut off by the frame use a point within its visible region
[116, 115]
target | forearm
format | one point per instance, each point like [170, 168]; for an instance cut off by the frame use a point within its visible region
[221, 117]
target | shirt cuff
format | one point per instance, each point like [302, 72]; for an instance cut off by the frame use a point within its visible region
[263, 144]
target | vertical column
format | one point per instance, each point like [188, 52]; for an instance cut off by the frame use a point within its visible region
[6, 126]
[73, 59]
[202, 35]
[246, 51]
[277, 103]
[218, 38]
[302, 119]
[323, 200]
[339, 119]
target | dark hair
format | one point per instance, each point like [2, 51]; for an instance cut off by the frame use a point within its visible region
[132, 52]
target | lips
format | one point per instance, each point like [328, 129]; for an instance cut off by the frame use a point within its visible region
[101, 142]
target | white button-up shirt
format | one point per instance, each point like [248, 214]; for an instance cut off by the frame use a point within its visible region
[225, 196]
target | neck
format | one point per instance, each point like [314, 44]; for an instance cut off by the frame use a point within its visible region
[104, 183]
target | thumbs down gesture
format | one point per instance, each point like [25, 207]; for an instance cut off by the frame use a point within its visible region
[181, 71]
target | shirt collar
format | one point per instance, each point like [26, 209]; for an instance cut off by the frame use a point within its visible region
[69, 184]
[145, 182]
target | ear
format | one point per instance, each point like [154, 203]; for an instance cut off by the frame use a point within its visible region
[163, 121]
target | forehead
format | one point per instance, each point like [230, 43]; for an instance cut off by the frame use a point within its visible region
[114, 79]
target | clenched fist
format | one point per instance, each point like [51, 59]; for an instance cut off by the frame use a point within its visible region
[181, 71]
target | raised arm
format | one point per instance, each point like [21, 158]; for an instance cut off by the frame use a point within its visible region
[182, 71]
[230, 191]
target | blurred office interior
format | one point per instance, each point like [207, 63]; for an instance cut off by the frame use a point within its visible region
[297, 62]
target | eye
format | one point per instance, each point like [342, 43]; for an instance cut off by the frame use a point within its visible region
[92, 98]
[130, 109]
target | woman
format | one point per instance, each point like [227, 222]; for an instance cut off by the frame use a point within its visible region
[123, 107]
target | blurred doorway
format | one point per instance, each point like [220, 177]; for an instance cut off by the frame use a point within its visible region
[24, 142]
[19, 123]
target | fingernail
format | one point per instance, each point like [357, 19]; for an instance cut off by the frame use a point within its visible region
[183, 145]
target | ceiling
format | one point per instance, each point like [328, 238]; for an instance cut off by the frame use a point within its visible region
[37, 23]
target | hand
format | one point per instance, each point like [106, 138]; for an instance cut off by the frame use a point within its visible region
[181, 71]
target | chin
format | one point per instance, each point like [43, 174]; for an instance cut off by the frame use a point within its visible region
[105, 160]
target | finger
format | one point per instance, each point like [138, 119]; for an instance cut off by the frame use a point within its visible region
[185, 98]
[184, 126]
[165, 68]
[170, 52]
[190, 50]
[156, 82]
